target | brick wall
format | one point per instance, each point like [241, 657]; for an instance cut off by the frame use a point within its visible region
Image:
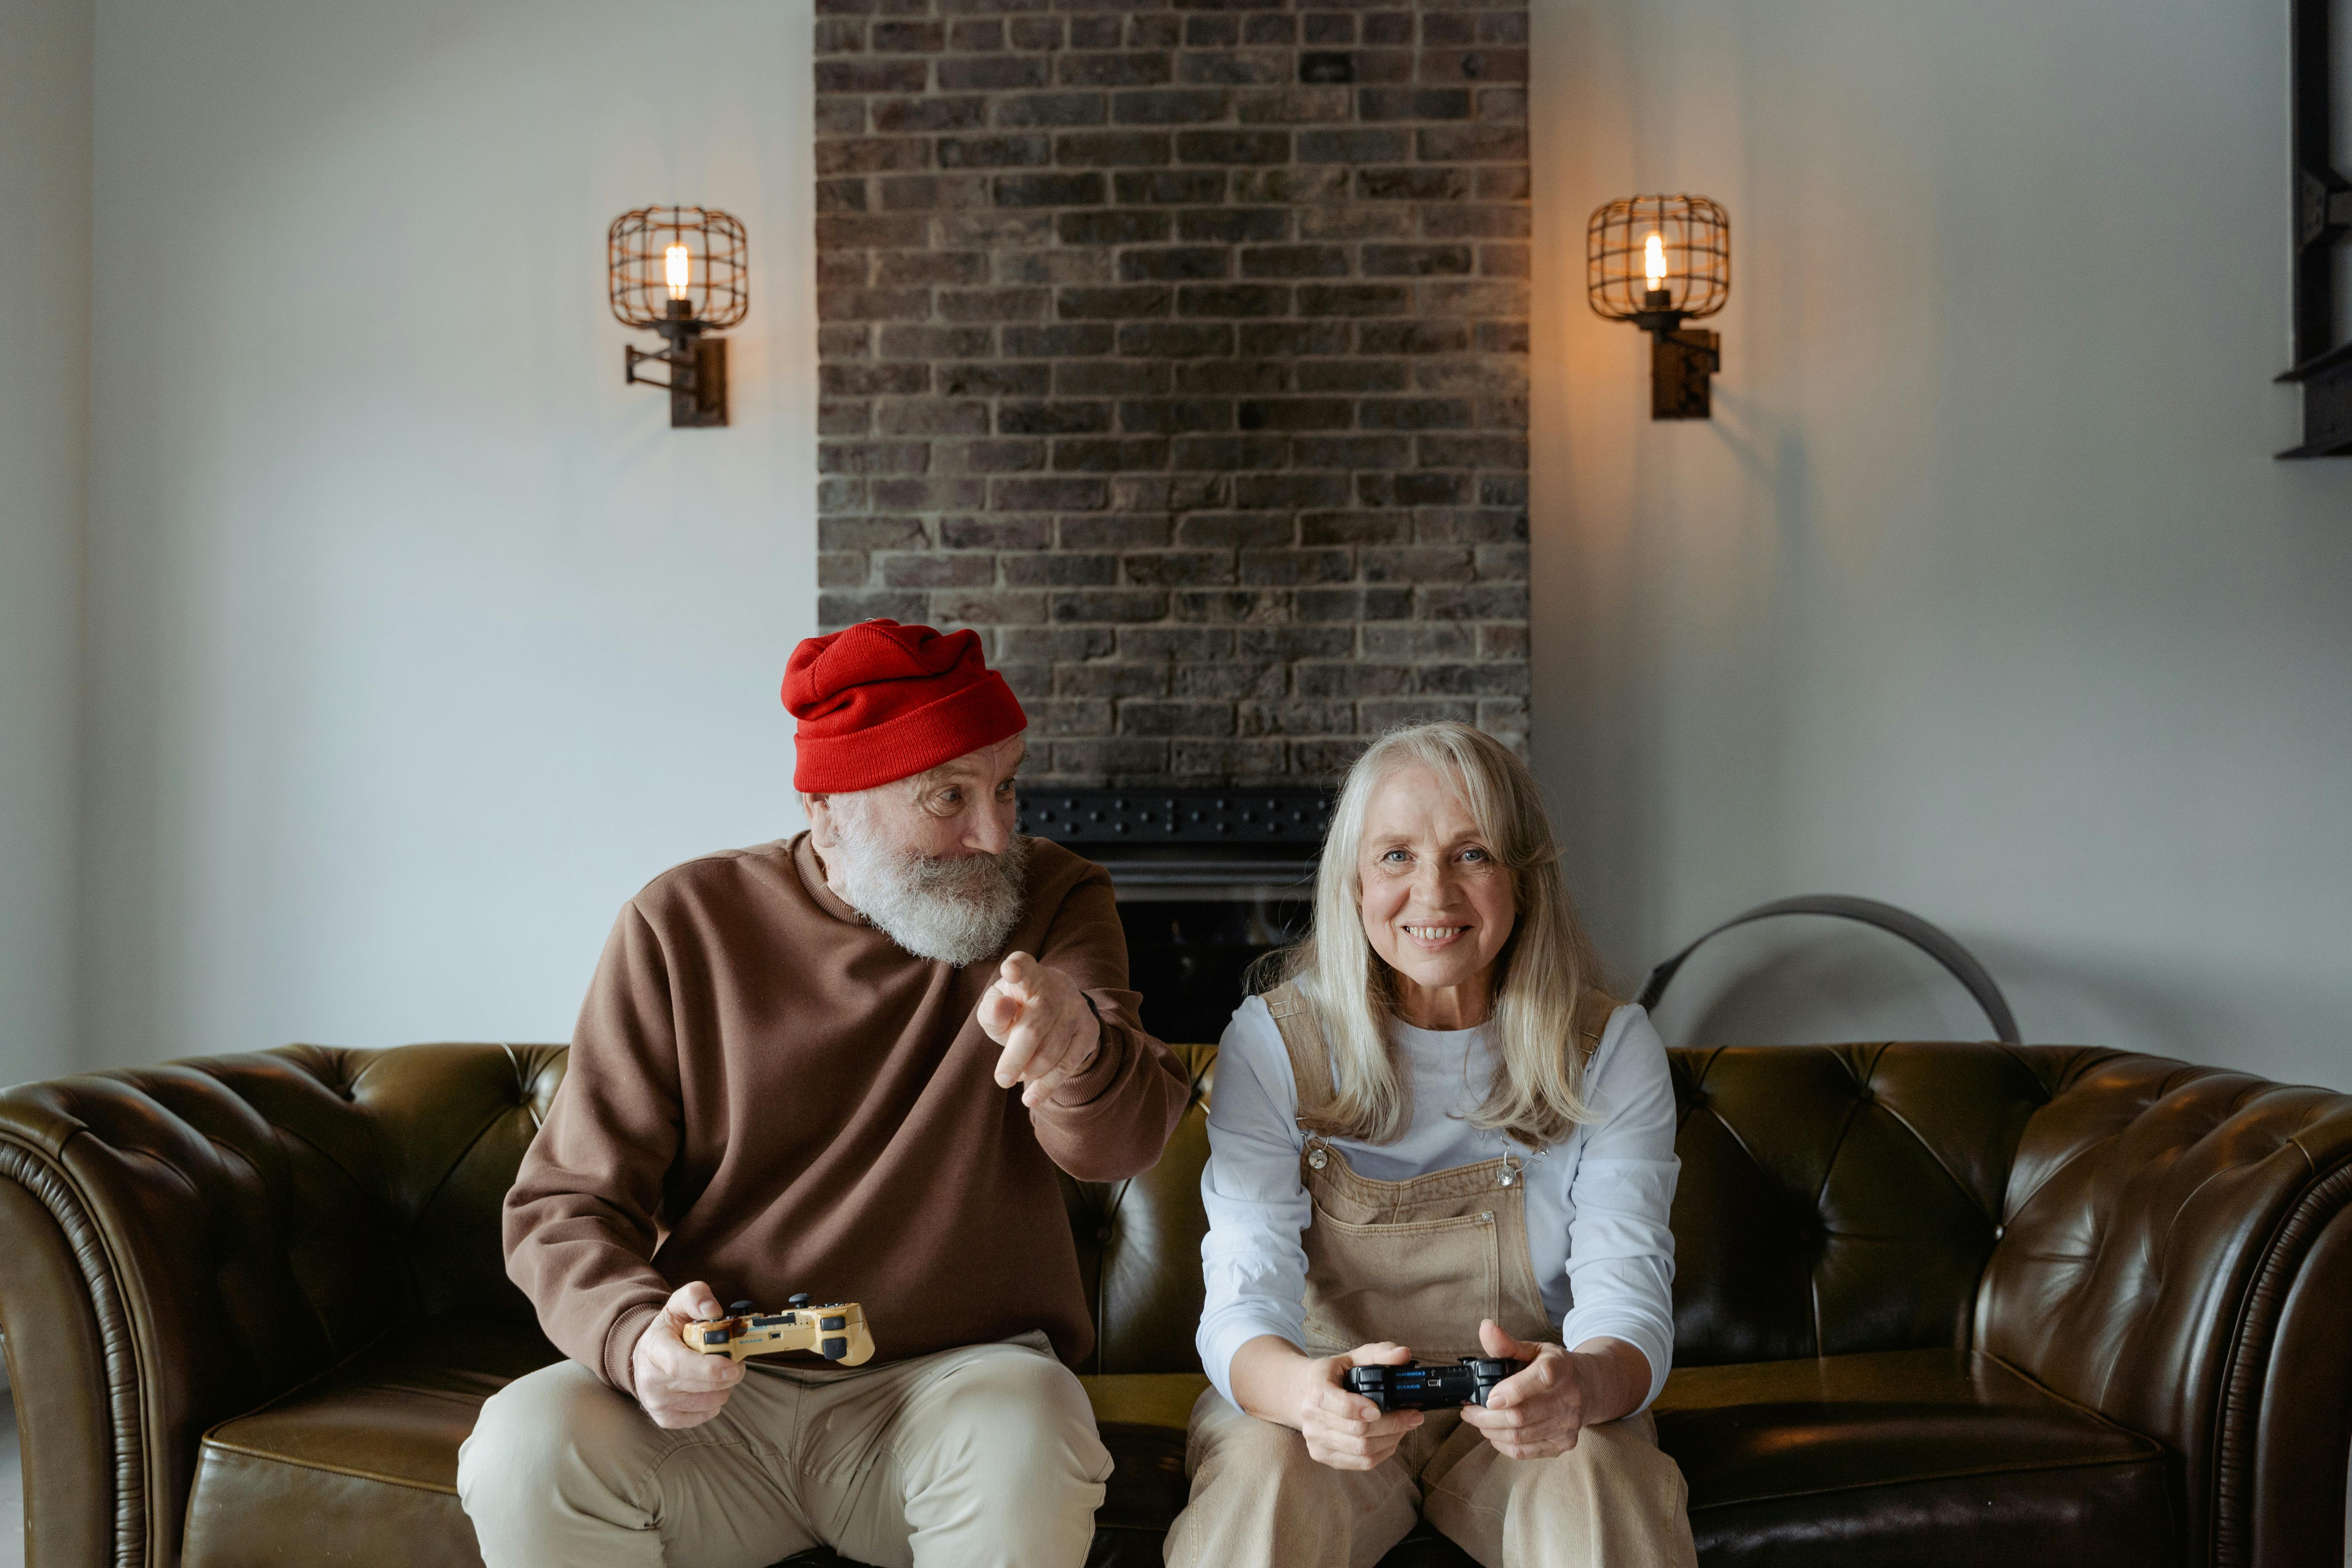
[1181, 349]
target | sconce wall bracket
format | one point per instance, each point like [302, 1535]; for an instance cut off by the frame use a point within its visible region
[1682, 364]
[697, 382]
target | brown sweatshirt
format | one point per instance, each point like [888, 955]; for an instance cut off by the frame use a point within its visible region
[766, 1093]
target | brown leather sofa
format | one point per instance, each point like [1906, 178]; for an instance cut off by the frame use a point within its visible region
[1936, 1304]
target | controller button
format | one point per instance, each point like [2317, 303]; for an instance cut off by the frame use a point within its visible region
[831, 1323]
[834, 1350]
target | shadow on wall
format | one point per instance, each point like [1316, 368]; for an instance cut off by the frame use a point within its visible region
[1814, 981]
[1639, 697]
[1821, 980]
[2098, 1000]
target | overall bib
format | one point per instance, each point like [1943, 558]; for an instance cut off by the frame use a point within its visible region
[1418, 1262]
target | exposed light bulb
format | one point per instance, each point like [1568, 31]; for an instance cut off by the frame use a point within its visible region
[1653, 261]
[677, 264]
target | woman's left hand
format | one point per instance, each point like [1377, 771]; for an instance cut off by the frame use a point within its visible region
[1537, 1413]
[1534, 1413]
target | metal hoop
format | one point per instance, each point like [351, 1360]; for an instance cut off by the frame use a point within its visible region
[1935, 944]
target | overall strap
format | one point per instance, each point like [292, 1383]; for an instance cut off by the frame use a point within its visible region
[1594, 1008]
[1310, 1057]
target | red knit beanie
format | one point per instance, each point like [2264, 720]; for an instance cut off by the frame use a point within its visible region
[882, 701]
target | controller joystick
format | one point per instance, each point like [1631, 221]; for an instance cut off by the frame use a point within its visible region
[736, 1309]
[800, 1300]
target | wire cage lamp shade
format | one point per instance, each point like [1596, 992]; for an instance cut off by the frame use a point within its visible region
[680, 272]
[1642, 248]
[1658, 262]
[663, 257]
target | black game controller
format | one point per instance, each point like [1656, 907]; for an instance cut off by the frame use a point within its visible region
[1418, 1387]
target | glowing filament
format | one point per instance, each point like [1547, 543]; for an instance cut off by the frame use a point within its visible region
[1653, 261]
[676, 266]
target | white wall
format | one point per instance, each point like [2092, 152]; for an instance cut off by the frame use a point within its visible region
[44, 151]
[418, 641]
[1981, 592]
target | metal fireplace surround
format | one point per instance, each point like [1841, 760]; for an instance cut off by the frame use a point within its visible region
[1209, 882]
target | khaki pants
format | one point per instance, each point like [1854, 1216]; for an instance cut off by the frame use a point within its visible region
[1258, 1501]
[985, 1456]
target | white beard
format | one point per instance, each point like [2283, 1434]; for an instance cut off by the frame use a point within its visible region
[955, 911]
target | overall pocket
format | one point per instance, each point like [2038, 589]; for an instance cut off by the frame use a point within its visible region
[1421, 1283]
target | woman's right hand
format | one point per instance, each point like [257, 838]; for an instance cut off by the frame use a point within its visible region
[1344, 1430]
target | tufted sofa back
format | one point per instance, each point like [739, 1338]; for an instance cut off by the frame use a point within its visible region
[2095, 1219]
[2123, 1229]
[1832, 1199]
[326, 1194]
[231, 1227]
[1837, 1199]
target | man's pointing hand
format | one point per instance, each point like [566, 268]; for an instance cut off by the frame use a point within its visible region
[1048, 1032]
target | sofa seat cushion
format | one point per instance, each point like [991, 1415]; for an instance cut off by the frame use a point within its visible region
[1924, 1457]
[1142, 1417]
[359, 1466]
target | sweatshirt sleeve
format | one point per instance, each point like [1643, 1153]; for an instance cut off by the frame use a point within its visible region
[579, 1221]
[1252, 1262]
[1110, 1120]
[1620, 1252]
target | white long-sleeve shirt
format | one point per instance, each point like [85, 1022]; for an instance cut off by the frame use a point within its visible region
[1597, 1202]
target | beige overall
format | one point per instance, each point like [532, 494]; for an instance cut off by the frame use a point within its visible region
[1418, 1262]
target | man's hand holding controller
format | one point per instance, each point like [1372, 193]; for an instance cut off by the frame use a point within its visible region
[680, 1386]
[1045, 1024]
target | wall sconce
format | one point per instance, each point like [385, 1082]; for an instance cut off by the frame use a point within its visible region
[1657, 262]
[680, 272]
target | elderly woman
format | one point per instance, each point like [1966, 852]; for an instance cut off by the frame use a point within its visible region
[1437, 1138]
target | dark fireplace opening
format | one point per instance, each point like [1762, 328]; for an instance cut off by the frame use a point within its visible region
[1209, 882]
[1192, 961]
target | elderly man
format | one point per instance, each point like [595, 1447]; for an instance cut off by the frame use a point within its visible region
[847, 1065]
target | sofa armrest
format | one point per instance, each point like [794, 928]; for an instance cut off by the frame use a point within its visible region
[2289, 1422]
[182, 1244]
[2176, 1253]
[70, 1396]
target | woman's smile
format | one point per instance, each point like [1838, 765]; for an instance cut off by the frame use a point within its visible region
[1437, 905]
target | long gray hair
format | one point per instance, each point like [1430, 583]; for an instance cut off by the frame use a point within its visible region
[1548, 1008]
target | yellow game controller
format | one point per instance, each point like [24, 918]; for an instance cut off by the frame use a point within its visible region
[836, 1333]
